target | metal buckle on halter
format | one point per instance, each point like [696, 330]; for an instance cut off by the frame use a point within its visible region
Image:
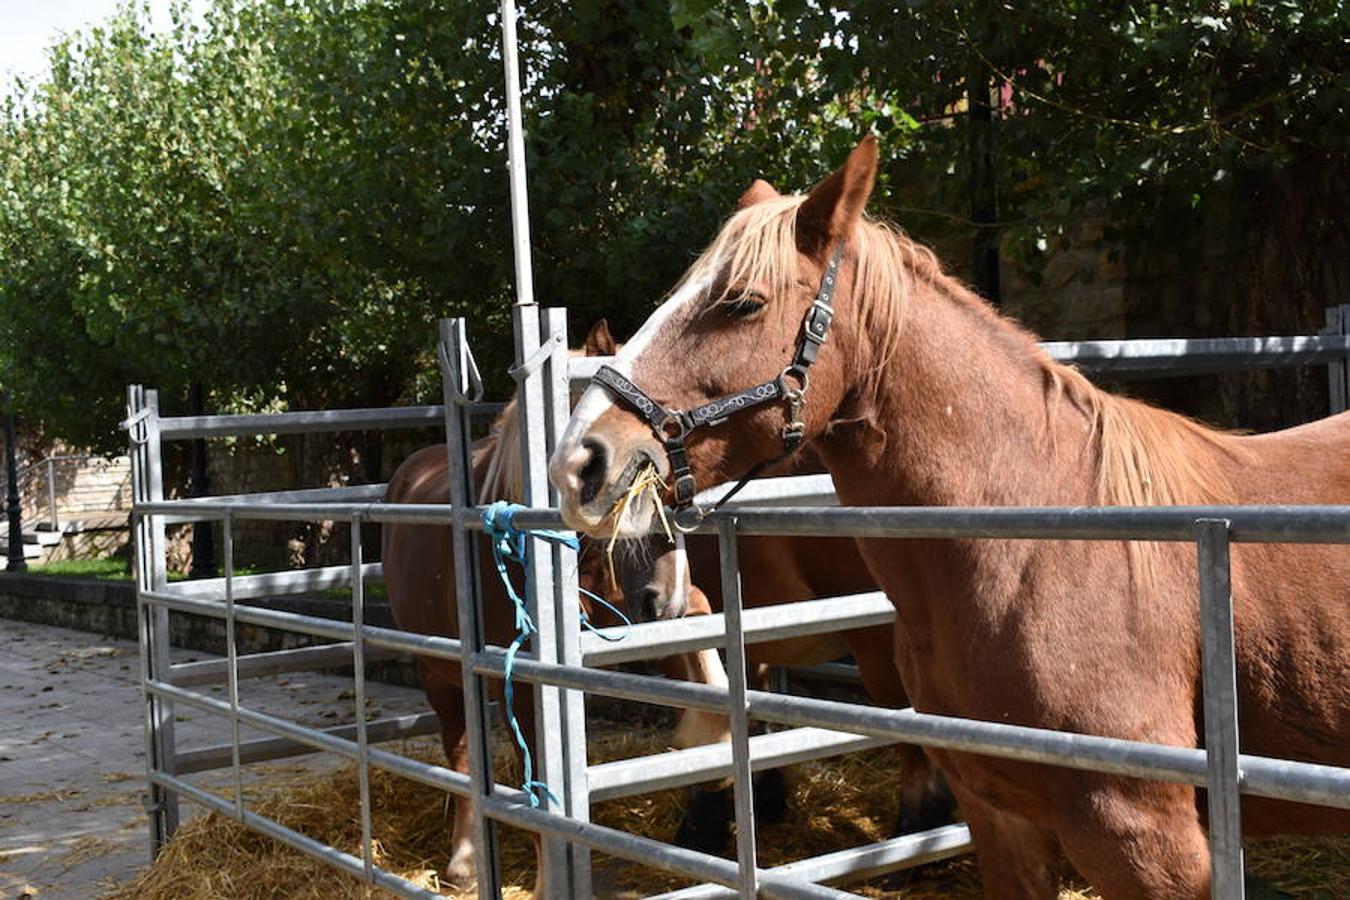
[687, 519]
[680, 420]
[794, 430]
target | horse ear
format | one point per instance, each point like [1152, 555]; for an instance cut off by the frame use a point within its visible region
[834, 207]
[600, 342]
[758, 192]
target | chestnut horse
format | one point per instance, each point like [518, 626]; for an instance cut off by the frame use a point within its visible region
[420, 581]
[925, 396]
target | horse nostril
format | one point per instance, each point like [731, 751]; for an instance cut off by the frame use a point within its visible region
[646, 604]
[592, 472]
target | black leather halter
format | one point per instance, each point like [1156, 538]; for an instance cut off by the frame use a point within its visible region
[673, 426]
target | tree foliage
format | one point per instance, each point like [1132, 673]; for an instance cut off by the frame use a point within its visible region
[279, 201]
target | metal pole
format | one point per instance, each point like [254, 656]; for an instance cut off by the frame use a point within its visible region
[738, 708]
[153, 621]
[567, 602]
[15, 562]
[359, 698]
[1219, 661]
[454, 350]
[515, 149]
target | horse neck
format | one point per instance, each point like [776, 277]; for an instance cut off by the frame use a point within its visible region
[963, 415]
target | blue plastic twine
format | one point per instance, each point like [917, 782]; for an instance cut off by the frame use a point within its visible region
[509, 544]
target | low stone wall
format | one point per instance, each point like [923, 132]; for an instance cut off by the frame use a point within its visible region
[108, 607]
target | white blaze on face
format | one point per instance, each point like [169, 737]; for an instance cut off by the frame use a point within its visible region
[596, 399]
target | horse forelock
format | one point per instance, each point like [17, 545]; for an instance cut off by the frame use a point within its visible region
[758, 245]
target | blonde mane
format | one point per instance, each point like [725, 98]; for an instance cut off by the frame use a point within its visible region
[504, 478]
[1144, 456]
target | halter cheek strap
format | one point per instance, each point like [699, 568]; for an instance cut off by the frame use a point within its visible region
[673, 426]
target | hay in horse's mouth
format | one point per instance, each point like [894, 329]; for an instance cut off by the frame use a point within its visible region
[644, 481]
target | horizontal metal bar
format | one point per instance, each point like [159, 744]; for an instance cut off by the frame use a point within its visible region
[220, 756]
[623, 685]
[653, 640]
[310, 421]
[1168, 357]
[797, 490]
[411, 513]
[310, 737]
[345, 861]
[1250, 524]
[273, 662]
[856, 863]
[275, 584]
[1279, 779]
[1157, 356]
[676, 768]
[648, 852]
[1261, 776]
[342, 494]
[408, 642]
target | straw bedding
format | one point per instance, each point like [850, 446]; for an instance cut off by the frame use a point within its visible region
[834, 804]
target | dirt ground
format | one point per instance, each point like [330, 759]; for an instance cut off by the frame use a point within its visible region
[72, 753]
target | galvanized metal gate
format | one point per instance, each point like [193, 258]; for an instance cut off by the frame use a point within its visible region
[562, 666]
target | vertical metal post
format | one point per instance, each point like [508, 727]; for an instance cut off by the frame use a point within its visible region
[555, 861]
[13, 507]
[1219, 672]
[548, 748]
[738, 709]
[232, 654]
[359, 697]
[515, 150]
[575, 794]
[455, 380]
[1338, 373]
[153, 621]
[51, 495]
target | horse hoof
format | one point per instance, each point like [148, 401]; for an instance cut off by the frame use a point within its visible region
[771, 797]
[461, 875]
[706, 826]
[460, 881]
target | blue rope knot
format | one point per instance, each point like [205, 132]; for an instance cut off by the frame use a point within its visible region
[509, 544]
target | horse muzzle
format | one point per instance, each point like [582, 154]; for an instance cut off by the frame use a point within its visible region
[592, 476]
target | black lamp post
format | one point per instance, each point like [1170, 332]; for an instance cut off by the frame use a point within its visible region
[15, 562]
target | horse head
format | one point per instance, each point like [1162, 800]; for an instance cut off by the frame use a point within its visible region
[730, 371]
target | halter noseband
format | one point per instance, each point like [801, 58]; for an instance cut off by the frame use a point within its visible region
[673, 426]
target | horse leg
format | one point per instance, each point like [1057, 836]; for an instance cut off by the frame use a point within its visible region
[925, 799]
[771, 785]
[1018, 860]
[525, 718]
[1137, 841]
[446, 699]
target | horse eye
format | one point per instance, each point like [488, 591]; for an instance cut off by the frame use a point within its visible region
[744, 306]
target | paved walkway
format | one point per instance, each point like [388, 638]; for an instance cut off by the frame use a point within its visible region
[72, 752]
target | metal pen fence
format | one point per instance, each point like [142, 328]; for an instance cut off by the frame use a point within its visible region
[562, 668]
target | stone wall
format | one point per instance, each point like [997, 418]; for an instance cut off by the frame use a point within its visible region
[108, 607]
